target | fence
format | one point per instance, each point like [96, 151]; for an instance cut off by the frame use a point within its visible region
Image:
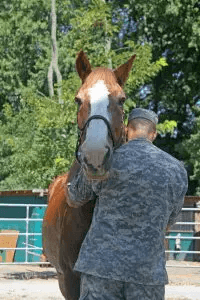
[29, 249]
[178, 235]
[184, 238]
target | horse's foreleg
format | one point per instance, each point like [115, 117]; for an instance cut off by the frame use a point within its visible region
[69, 284]
[61, 282]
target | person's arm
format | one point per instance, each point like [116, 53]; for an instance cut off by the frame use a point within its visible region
[79, 189]
[177, 209]
[179, 198]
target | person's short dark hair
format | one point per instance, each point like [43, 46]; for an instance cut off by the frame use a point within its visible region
[142, 124]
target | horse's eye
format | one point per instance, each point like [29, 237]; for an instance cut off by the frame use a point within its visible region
[121, 101]
[78, 101]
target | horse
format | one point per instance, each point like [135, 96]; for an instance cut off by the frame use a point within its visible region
[100, 121]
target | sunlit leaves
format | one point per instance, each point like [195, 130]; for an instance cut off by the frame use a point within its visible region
[37, 134]
[37, 143]
[166, 127]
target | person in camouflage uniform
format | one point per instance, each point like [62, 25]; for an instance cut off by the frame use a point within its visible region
[123, 253]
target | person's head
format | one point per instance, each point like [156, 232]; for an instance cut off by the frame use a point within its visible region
[142, 123]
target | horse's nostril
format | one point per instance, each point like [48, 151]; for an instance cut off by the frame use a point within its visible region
[84, 167]
[107, 155]
[85, 160]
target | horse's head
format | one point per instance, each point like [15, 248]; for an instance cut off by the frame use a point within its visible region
[100, 114]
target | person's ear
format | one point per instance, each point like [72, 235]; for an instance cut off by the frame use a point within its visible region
[126, 133]
[130, 133]
[154, 135]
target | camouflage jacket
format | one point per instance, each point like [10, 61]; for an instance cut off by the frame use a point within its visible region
[144, 193]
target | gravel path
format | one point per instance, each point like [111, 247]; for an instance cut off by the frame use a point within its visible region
[46, 289]
[32, 282]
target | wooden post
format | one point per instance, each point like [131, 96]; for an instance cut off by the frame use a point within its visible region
[9, 241]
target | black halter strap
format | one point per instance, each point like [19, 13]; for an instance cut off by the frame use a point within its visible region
[82, 130]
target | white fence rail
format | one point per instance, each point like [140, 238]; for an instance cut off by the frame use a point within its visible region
[178, 237]
[29, 248]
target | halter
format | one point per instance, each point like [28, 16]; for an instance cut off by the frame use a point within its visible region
[82, 130]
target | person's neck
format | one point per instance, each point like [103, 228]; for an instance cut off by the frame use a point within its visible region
[137, 135]
[140, 138]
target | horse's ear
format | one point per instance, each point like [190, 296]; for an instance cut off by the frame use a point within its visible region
[122, 71]
[83, 66]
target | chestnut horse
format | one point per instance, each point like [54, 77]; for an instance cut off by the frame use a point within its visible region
[100, 121]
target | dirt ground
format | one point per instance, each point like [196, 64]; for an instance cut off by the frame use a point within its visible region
[185, 273]
[33, 282]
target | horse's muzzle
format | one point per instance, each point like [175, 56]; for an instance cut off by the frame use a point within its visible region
[96, 163]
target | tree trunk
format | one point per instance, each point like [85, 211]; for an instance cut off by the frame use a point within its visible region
[107, 49]
[108, 41]
[54, 60]
[50, 80]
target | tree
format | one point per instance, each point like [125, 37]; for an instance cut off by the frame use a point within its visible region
[190, 150]
[172, 28]
[23, 40]
[54, 60]
[38, 140]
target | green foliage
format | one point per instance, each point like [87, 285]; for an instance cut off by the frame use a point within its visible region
[191, 149]
[173, 30]
[166, 127]
[38, 135]
[24, 37]
[38, 142]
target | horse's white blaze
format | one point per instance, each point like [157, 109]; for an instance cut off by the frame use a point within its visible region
[97, 132]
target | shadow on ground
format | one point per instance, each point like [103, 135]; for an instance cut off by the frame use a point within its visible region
[29, 274]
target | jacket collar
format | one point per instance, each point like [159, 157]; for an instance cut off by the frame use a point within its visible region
[140, 139]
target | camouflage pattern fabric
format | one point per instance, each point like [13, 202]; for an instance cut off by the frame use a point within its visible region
[97, 288]
[144, 193]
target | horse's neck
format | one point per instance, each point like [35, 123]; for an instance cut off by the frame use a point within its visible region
[123, 138]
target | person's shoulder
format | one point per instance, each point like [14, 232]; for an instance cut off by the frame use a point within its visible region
[157, 154]
[124, 152]
[169, 158]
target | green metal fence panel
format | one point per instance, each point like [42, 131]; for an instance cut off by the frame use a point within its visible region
[18, 213]
[181, 245]
[36, 227]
